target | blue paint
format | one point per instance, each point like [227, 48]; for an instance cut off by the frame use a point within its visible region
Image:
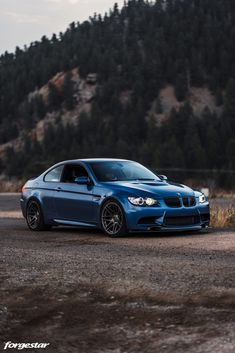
[79, 201]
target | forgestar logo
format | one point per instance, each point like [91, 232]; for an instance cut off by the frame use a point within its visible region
[20, 346]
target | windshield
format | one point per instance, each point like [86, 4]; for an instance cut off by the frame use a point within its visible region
[121, 171]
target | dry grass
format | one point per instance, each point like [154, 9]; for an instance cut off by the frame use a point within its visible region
[11, 186]
[221, 194]
[222, 217]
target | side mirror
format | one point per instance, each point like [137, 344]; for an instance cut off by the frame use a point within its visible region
[82, 180]
[163, 177]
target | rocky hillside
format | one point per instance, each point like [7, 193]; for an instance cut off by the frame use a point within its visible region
[83, 92]
[150, 81]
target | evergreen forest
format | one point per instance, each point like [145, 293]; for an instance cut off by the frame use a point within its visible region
[138, 49]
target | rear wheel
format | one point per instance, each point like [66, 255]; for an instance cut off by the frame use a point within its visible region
[113, 220]
[34, 217]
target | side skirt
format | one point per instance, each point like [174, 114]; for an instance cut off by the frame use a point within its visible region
[74, 223]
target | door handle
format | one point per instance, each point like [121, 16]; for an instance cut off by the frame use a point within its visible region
[58, 189]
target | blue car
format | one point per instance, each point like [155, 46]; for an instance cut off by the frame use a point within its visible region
[117, 196]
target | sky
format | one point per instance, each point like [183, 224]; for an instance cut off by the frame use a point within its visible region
[25, 21]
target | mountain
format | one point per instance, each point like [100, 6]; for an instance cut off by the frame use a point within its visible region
[153, 81]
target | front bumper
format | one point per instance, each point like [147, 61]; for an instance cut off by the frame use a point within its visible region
[151, 219]
[23, 206]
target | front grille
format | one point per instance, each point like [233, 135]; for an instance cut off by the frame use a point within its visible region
[205, 217]
[189, 201]
[172, 201]
[182, 221]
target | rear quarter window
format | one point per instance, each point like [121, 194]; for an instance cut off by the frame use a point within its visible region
[54, 175]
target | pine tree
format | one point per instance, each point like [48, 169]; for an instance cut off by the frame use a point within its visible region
[181, 87]
[230, 153]
[54, 97]
[68, 92]
[229, 105]
[194, 152]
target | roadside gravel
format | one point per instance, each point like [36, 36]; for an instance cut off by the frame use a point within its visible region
[83, 292]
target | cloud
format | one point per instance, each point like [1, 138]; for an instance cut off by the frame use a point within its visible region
[24, 21]
[63, 1]
[56, 1]
[25, 18]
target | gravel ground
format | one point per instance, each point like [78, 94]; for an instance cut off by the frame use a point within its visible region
[83, 292]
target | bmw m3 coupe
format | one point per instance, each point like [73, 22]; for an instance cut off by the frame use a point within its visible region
[117, 196]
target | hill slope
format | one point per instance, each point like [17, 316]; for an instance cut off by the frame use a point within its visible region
[146, 59]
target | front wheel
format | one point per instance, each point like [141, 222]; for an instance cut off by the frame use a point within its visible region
[34, 217]
[113, 221]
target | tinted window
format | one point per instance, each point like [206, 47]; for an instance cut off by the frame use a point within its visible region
[71, 172]
[121, 171]
[54, 175]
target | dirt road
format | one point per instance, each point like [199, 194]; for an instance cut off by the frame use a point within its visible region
[83, 292]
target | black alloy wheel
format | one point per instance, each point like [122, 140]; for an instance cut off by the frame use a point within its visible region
[112, 219]
[34, 217]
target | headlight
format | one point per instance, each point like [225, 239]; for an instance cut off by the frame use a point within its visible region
[141, 201]
[202, 198]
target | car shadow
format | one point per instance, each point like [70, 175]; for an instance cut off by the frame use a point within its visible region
[167, 234]
[142, 235]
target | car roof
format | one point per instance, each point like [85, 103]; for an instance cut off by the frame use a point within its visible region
[93, 160]
[84, 161]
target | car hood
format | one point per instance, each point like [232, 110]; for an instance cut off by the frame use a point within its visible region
[160, 189]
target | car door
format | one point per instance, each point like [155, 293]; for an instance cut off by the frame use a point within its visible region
[74, 202]
[48, 187]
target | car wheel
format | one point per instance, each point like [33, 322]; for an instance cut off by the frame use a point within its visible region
[34, 217]
[113, 221]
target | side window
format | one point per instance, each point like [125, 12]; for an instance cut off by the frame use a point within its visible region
[71, 172]
[54, 175]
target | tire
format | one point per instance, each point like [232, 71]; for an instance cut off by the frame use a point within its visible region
[34, 217]
[112, 219]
